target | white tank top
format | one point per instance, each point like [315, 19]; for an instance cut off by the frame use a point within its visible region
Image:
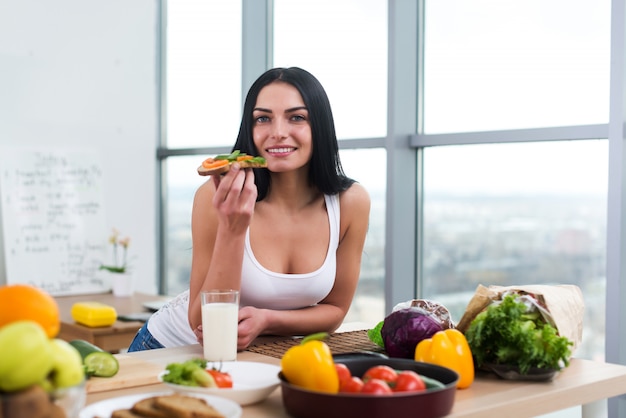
[259, 287]
[266, 289]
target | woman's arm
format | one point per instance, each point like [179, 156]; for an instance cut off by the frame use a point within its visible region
[329, 313]
[221, 213]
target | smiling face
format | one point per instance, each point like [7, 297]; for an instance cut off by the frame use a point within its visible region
[281, 129]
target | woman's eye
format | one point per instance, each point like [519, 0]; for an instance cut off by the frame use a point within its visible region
[298, 118]
[261, 119]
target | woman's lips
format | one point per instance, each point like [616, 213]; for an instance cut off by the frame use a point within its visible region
[277, 152]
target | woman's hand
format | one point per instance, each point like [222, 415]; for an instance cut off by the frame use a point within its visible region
[199, 335]
[235, 197]
[251, 325]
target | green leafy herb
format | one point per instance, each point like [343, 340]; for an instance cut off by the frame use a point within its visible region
[375, 336]
[506, 333]
[258, 160]
[190, 373]
[232, 157]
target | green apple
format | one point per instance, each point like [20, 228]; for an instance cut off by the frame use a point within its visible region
[67, 367]
[26, 355]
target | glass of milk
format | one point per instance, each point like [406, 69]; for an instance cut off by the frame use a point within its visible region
[220, 310]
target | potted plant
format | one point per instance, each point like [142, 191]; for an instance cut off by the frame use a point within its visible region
[121, 278]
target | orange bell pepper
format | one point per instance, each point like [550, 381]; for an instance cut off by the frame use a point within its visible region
[448, 348]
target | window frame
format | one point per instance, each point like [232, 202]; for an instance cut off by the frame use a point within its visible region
[405, 143]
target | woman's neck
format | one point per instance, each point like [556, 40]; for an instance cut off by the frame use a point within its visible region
[292, 191]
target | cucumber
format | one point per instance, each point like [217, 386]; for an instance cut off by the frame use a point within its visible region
[432, 383]
[85, 348]
[96, 361]
[101, 364]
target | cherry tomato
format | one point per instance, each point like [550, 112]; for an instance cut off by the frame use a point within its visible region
[343, 372]
[354, 385]
[376, 387]
[382, 372]
[222, 380]
[409, 381]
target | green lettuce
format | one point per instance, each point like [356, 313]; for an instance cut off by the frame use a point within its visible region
[375, 336]
[508, 334]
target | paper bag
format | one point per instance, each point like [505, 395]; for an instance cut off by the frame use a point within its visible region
[563, 303]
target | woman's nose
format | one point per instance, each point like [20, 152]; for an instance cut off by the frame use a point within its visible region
[279, 128]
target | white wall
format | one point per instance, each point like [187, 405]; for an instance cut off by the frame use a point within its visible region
[83, 74]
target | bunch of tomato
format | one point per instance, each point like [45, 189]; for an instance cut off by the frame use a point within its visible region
[379, 380]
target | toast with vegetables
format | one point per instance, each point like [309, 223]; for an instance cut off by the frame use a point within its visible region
[220, 164]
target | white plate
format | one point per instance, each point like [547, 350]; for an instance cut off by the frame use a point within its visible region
[104, 409]
[252, 381]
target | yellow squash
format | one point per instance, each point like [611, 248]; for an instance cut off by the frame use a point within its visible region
[448, 348]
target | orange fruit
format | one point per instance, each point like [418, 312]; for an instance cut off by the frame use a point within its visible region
[26, 302]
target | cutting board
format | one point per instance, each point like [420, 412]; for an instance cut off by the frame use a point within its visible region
[132, 372]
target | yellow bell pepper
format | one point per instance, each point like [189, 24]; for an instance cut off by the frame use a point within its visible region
[310, 365]
[448, 348]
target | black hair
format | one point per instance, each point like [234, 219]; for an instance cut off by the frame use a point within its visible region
[325, 170]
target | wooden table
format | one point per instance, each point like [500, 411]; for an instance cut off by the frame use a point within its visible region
[114, 338]
[583, 382]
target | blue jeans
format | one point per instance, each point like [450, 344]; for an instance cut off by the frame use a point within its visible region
[144, 340]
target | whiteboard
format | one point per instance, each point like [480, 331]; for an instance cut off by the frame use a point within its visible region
[53, 221]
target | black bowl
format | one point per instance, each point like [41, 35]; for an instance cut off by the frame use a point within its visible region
[432, 403]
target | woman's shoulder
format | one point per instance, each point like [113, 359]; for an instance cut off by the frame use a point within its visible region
[202, 204]
[355, 198]
[205, 191]
[354, 203]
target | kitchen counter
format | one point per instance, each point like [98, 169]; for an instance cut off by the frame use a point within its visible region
[583, 382]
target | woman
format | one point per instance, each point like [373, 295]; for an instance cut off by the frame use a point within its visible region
[289, 237]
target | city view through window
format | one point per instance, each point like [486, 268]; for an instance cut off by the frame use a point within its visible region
[491, 220]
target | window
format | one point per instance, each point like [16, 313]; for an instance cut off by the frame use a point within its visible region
[344, 44]
[181, 183]
[516, 213]
[513, 212]
[203, 71]
[368, 304]
[508, 214]
[493, 65]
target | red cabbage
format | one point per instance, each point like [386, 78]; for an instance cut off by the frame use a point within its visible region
[405, 328]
